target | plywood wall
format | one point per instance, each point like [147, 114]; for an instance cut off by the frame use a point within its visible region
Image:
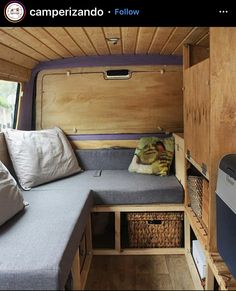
[223, 106]
[82, 101]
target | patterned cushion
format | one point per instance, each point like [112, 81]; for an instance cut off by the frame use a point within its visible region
[153, 156]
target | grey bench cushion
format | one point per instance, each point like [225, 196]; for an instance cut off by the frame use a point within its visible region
[38, 246]
[123, 187]
[105, 159]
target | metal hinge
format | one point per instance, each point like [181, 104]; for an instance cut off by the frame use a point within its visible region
[204, 168]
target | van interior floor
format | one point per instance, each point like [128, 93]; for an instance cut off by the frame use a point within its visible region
[157, 272]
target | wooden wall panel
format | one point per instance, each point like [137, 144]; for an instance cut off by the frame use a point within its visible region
[86, 103]
[197, 111]
[223, 106]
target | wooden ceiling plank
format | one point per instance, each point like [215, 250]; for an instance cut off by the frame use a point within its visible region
[181, 43]
[27, 36]
[64, 39]
[204, 40]
[41, 34]
[192, 39]
[144, 40]
[178, 35]
[121, 41]
[111, 32]
[162, 34]
[80, 37]
[18, 45]
[97, 38]
[16, 57]
[129, 39]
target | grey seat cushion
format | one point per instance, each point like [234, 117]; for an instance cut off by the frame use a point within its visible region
[123, 187]
[37, 247]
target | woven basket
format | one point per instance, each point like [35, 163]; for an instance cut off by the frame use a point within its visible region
[195, 189]
[155, 229]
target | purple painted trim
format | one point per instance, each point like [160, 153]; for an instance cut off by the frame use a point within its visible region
[87, 61]
[125, 136]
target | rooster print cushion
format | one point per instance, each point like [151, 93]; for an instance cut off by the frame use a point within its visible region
[153, 156]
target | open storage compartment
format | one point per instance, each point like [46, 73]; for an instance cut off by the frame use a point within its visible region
[103, 230]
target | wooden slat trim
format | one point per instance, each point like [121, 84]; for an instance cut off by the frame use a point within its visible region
[117, 231]
[133, 208]
[193, 271]
[142, 251]
[75, 270]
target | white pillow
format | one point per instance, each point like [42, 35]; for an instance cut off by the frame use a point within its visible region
[40, 156]
[11, 200]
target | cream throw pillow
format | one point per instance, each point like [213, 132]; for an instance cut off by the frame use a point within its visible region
[11, 200]
[40, 156]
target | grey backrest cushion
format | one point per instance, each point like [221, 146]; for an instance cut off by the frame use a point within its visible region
[11, 200]
[108, 159]
[40, 156]
[105, 159]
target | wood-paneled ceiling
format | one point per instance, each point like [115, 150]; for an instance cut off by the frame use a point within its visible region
[28, 46]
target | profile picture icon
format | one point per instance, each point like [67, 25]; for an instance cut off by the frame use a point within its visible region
[14, 11]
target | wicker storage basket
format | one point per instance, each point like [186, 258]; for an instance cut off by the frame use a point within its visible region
[195, 189]
[155, 229]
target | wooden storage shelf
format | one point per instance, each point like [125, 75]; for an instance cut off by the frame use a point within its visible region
[119, 249]
[198, 167]
[197, 227]
[221, 272]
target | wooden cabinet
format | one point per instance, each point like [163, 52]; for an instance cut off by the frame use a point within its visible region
[179, 158]
[210, 133]
[197, 112]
